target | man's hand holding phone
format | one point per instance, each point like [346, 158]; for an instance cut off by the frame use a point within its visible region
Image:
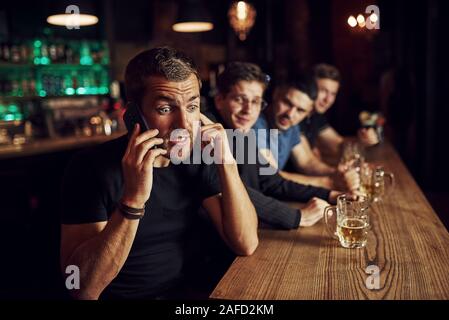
[137, 166]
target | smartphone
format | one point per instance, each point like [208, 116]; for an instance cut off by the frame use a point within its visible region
[134, 115]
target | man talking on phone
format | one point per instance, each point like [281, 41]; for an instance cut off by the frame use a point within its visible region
[130, 216]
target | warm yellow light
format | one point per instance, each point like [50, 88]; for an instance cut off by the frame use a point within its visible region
[242, 17]
[360, 19]
[373, 17]
[192, 26]
[72, 20]
[242, 10]
[352, 21]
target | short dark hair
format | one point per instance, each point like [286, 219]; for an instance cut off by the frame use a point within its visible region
[240, 71]
[304, 83]
[326, 71]
[161, 61]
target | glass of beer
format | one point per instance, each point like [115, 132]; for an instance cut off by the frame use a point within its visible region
[352, 156]
[375, 182]
[352, 220]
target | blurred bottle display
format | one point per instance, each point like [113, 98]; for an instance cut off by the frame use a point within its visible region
[11, 112]
[34, 68]
[45, 68]
[42, 68]
[45, 52]
[54, 81]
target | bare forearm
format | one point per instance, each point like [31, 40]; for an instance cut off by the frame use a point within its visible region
[307, 162]
[239, 215]
[101, 258]
[331, 146]
[318, 168]
[318, 181]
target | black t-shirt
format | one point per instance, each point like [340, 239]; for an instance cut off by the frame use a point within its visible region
[167, 237]
[312, 126]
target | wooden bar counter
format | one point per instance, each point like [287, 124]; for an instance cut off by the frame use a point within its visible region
[54, 145]
[407, 242]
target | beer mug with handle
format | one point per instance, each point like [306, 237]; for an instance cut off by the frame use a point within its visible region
[375, 182]
[352, 218]
[352, 156]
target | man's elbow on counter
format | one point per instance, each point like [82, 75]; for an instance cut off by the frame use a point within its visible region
[88, 289]
[248, 248]
[79, 294]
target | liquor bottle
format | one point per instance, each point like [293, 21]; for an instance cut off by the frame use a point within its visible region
[32, 84]
[68, 54]
[60, 53]
[45, 54]
[85, 57]
[67, 86]
[2, 87]
[7, 86]
[6, 52]
[24, 53]
[15, 85]
[74, 80]
[52, 49]
[105, 53]
[37, 44]
[25, 84]
[15, 53]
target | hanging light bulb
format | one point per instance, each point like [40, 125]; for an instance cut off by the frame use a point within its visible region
[360, 19]
[373, 17]
[242, 16]
[242, 10]
[352, 21]
[193, 26]
[69, 20]
[72, 16]
[193, 17]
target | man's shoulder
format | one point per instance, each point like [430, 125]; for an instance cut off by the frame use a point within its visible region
[102, 156]
[109, 148]
[294, 130]
[92, 182]
[261, 122]
[318, 118]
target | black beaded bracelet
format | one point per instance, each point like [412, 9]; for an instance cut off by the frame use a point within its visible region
[130, 212]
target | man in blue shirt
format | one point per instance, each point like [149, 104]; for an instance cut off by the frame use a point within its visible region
[285, 142]
[291, 103]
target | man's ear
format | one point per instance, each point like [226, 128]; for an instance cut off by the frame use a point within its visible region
[312, 107]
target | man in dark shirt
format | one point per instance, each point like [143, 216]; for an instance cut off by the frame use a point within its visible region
[312, 125]
[130, 219]
[237, 106]
[318, 134]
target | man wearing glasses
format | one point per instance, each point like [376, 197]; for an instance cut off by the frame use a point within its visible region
[238, 104]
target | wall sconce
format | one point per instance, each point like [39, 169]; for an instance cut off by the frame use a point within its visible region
[370, 21]
[242, 16]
